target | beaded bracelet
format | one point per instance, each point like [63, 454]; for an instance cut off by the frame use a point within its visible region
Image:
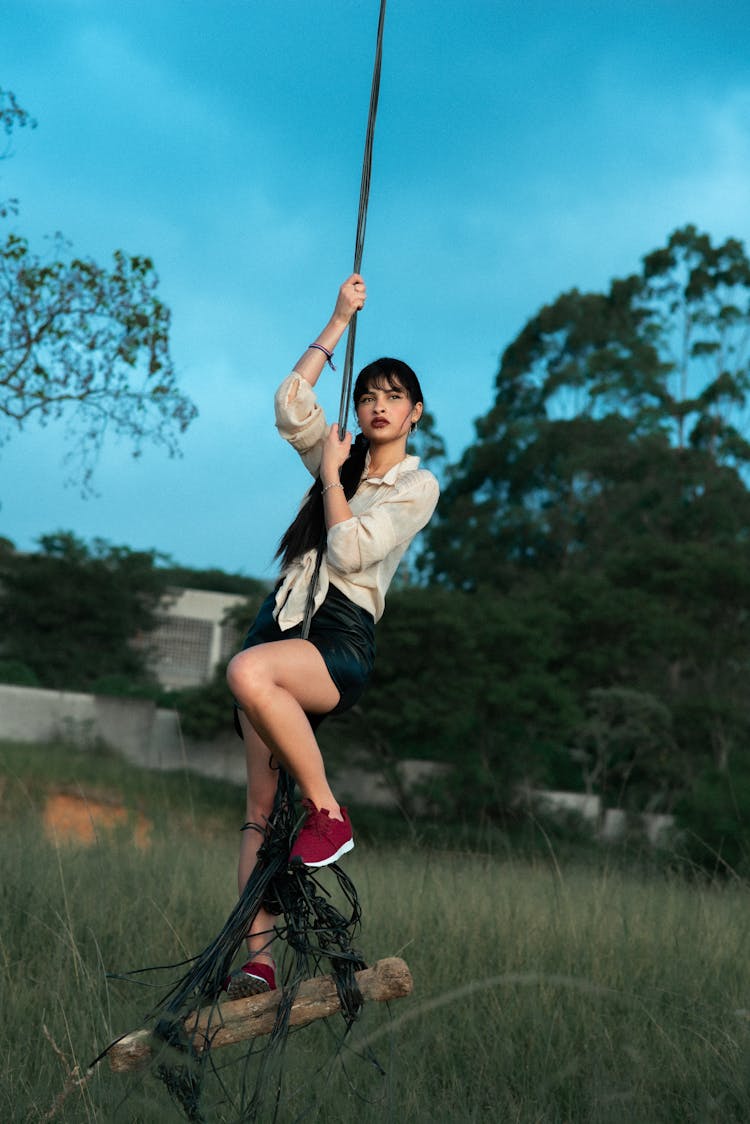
[328, 354]
[336, 484]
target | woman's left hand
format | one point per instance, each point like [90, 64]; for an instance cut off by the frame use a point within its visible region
[335, 452]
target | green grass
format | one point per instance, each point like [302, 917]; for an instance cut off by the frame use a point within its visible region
[545, 993]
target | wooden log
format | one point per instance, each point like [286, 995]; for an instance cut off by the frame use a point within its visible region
[240, 1019]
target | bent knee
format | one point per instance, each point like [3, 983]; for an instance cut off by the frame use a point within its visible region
[247, 674]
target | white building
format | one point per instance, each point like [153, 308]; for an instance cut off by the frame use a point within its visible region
[192, 638]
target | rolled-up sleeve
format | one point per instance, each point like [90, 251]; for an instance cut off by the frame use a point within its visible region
[364, 540]
[300, 420]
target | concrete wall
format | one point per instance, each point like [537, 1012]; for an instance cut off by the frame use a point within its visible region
[143, 733]
[608, 824]
[151, 737]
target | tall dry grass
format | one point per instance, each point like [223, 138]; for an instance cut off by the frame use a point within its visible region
[544, 993]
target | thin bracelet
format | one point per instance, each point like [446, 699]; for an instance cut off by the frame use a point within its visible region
[328, 354]
[336, 484]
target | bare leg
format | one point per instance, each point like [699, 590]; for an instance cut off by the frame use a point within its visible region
[275, 684]
[261, 790]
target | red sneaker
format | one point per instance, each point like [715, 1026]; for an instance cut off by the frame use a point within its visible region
[251, 979]
[321, 840]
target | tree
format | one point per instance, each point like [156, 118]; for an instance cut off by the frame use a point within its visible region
[219, 582]
[609, 480]
[427, 444]
[85, 344]
[602, 402]
[471, 683]
[73, 613]
[625, 746]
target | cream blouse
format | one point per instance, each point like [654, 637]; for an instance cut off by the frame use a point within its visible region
[362, 552]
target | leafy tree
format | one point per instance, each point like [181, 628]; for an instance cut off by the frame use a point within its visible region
[13, 671]
[216, 580]
[89, 345]
[625, 746]
[608, 408]
[74, 614]
[471, 683]
[608, 479]
[84, 344]
[713, 817]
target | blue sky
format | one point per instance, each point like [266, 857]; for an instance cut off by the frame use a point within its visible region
[521, 149]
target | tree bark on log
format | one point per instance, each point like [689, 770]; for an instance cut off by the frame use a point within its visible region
[226, 1023]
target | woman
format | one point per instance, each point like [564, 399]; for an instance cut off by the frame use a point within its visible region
[369, 501]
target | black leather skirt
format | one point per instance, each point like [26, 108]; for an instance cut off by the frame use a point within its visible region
[343, 633]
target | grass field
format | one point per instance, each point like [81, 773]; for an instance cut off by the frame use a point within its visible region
[547, 992]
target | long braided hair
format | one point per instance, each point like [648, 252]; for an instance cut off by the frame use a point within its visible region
[306, 531]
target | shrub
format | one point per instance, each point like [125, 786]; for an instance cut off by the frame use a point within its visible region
[19, 673]
[715, 818]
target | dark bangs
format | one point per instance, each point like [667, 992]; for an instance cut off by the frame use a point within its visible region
[388, 374]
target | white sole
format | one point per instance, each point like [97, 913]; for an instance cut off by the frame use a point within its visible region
[343, 850]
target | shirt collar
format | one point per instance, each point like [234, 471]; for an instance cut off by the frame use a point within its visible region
[408, 464]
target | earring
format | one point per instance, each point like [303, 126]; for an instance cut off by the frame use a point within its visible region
[414, 427]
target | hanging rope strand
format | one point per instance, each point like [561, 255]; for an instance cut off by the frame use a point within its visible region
[364, 197]
[359, 246]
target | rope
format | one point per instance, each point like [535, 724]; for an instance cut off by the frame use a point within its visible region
[359, 247]
[364, 198]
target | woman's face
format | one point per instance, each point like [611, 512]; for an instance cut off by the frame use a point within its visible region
[386, 413]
